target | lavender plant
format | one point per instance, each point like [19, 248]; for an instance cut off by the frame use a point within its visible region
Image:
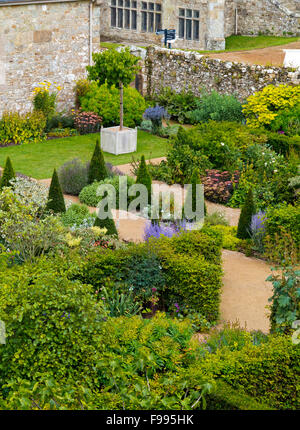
[258, 230]
[155, 115]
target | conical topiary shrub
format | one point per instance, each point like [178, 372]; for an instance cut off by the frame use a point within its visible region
[97, 169]
[143, 177]
[195, 179]
[108, 223]
[7, 175]
[243, 230]
[56, 202]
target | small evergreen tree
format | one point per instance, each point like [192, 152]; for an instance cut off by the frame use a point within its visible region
[108, 223]
[7, 175]
[56, 202]
[97, 169]
[143, 177]
[243, 230]
[195, 179]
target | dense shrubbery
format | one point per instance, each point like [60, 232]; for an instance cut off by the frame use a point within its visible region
[178, 105]
[87, 122]
[104, 101]
[16, 128]
[73, 176]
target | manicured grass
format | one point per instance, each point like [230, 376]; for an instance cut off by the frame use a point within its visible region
[110, 45]
[39, 159]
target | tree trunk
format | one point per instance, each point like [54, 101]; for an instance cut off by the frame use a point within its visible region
[121, 105]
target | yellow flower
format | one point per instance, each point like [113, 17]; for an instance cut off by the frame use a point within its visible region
[99, 231]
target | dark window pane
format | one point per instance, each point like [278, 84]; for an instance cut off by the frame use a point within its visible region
[151, 6]
[181, 28]
[120, 18]
[127, 18]
[196, 14]
[113, 17]
[113, 2]
[181, 12]
[133, 19]
[157, 21]
[196, 30]
[188, 29]
[144, 21]
[144, 5]
[127, 3]
[120, 2]
[189, 13]
[133, 4]
[158, 7]
[151, 22]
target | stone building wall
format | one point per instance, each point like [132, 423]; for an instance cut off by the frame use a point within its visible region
[183, 70]
[44, 42]
[276, 17]
[211, 24]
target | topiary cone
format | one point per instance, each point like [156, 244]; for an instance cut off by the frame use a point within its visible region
[7, 175]
[243, 230]
[108, 223]
[97, 169]
[143, 177]
[195, 179]
[56, 202]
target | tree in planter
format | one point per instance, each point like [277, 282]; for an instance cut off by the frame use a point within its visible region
[56, 202]
[192, 192]
[115, 68]
[7, 175]
[97, 168]
[143, 177]
[244, 225]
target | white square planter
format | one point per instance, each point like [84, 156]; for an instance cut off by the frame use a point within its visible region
[116, 141]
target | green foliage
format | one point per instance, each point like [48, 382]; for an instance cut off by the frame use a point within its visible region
[178, 105]
[143, 177]
[216, 107]
[264, 106]
[193, 195]
[104, 101]
[44, 101]
[73, 176]
[7, 175]
[97, 169]
[88, 194]
[283, 144]
[20, 129]
[81, 88]
[118, 303]
[52, 327]
[76, 215]
[224, 397]
[113, 67]
[285, 217]
[287, 121]
[107, 223]
[285, 301]
[269, 372]
[229, 239]
[243, 230]
[216, 218]
[56, 202]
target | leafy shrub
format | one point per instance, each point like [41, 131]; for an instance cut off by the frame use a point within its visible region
[17, 129]
[283, 144]
[178, 104]
[264, 106]
[61, 132]
[30, 193]
[73, 176]
[88, 195]
[8, 174]
[219, 186]
[269, 372]
[104, 101]
[216, 218]
[155, 115]
[97, 168]
[287, 121]
[82, 86]
[76, 215]
[285, 301]
[87, 122]
[286, 217]
[56, 202]
[118, 303]
[52, 327]
[216, 107]
[44, 100]
[229, 239]
[60, 121]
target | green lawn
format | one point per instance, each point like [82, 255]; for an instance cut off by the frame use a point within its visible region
[39, 159]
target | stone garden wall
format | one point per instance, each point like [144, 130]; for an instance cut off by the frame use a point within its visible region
[44, 42]
[180, 70]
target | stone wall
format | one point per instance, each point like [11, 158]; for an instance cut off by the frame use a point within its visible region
[183, 70]
[276, 17]
[44, 42]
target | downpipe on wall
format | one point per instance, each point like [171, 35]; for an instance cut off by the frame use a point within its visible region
[91, 31]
